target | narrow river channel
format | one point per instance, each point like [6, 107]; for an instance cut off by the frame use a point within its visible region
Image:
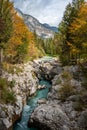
[31, 104]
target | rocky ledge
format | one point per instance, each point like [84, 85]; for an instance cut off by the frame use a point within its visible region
[47, 67]
[66, 107]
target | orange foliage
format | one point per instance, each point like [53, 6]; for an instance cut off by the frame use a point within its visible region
[79, 25]
[78, 31]
[20, 36]
[20, 32]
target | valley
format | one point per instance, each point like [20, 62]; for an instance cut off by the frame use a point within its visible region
[43, 65]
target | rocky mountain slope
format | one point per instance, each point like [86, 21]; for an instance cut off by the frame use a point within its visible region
[53, 28]
[35, 26]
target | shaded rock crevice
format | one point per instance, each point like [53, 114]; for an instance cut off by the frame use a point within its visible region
[47, 69]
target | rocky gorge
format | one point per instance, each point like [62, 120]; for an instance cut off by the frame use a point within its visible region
[65, 106]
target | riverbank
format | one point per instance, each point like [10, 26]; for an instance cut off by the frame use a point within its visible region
[24, 83]
[66, 107]
[24, 79]
[39, 97]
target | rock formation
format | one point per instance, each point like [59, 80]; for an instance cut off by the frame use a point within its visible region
[25, 85]
[65, 108]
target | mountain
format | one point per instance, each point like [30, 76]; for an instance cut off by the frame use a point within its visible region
[53, 28]
[35, 26]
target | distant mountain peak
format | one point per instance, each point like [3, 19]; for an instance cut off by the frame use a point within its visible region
[53, 28]
[35, 26]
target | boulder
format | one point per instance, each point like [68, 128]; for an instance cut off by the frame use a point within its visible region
[41, 86]
[82, 121]
[49, 117]
[42, 101]
[47, 68]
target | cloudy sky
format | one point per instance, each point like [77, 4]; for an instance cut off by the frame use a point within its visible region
[46, 11]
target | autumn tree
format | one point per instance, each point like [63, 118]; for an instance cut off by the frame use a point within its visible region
[22, 45]
[5, 26]
[63, 32]
[71, 12]
[19, 41]
[78, 32]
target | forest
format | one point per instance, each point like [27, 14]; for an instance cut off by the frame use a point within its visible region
[22, 68]
[19, 45]
[70, 43]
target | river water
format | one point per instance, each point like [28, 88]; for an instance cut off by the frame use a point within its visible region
[31, 104]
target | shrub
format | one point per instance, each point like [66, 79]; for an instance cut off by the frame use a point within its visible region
[10, 97]
[3, 83]
[84, 81]
[66, 75]
[65, 91]
[12, 83]
[10, 68]
[84, 68]
[64, 59]
[6, 95]
[78, 106]
[58, 81]
[84, 84]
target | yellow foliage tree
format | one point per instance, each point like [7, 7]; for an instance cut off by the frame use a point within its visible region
[22, 42]
[78, 31]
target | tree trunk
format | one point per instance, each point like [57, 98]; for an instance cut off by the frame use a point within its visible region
[1, 60]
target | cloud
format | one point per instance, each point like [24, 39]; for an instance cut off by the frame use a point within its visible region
[46, 11]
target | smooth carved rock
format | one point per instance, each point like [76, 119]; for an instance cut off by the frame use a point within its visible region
[41, 86]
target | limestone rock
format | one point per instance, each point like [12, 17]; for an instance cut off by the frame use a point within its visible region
[82, 121]
[41, 86]
[49, 117]
[25, 85]
[47, 68]
[42, 101]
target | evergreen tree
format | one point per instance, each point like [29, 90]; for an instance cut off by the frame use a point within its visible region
[78, 32]
[71, 12]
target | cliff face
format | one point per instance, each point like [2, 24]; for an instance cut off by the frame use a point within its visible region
[26, 84]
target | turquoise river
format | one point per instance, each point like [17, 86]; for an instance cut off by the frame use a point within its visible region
[31, 104]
